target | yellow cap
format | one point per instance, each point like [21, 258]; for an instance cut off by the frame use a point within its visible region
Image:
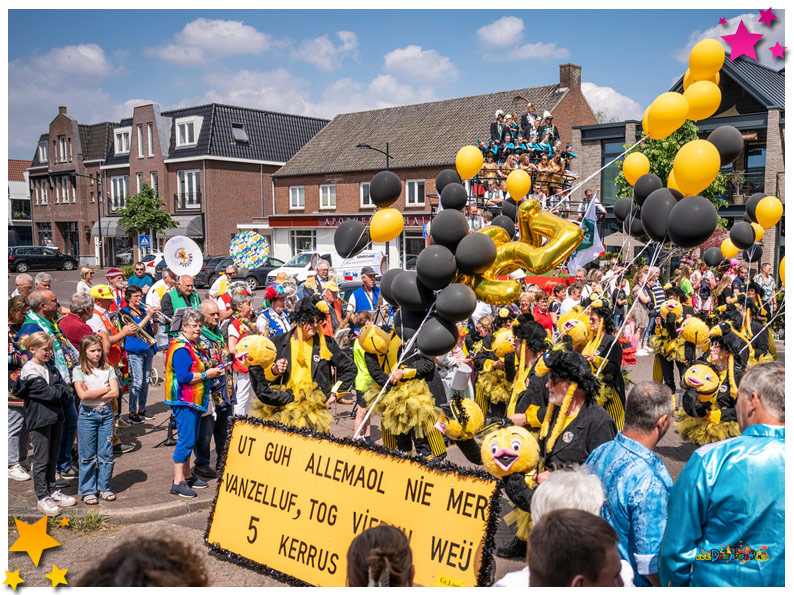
[101, 292]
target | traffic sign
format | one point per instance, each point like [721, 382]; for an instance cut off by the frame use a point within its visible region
[144, 241]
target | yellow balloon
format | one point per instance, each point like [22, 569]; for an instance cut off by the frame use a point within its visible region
[671, 183]
[689, 79]
[645, 120]
[704, 98]
[782, 270]
[706, 59]
[666, 114]
[634, 166]
[728, 249]
[468, 162]
[518, 184]
[768, 211]
[696, 165]
[759, 231]
[386, 225]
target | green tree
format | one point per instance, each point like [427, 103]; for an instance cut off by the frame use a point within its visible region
[144, 213]
[660, 154]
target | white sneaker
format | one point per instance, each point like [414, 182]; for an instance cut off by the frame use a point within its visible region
[48, 507]
[62, 499]
[17, 473]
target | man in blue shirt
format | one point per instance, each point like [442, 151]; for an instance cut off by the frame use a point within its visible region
[140, 278]
[635, 480]
[728, 506]
[365, 297]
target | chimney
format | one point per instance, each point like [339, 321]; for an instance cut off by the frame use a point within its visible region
[571, 76]
[62, 108]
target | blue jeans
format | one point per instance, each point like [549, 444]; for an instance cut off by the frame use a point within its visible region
[95, 445]
[618, 318]
[64, 462]
[140, 369]
[18, 438]
[650, 328]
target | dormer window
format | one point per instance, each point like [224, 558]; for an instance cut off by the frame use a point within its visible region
[188, 130]
[122, 140]
[239, 133]
[42, 151]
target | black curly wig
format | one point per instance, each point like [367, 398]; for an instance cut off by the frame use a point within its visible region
[306, 310]
[531, 332]
[606, 315]
[572, 367]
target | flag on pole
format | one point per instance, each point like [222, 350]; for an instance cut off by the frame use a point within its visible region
[591, 245]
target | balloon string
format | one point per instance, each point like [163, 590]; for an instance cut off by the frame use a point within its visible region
[397, 365]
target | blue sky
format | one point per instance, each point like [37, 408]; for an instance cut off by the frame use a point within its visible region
[102, 63]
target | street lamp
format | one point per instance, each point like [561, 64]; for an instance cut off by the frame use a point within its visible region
[386, 152]
[98, 211]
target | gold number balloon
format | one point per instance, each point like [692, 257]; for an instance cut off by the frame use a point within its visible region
[528, 253]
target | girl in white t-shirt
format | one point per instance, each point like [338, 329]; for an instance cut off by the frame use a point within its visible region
[96, 385]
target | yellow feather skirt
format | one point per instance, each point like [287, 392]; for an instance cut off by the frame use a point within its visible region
[308, 410]
[669, 349]
[760, 360]
[522, 521]
[609, 399]
[408, 406]
[492, 386]
[699, 431]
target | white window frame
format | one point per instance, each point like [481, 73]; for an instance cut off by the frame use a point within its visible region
[326, 205]
[365, 204]
[121, 139]
[139, 128]
[150, 138]
[415, 184]
[57, 185]
[62, 147]
[193, 191]
[43, 188]
[303, 232]
[70, 189]
[139, 180]
[69, 147]
[119, 191]
[154, 182]
[43, 151]
[299, 193]
[196, 121]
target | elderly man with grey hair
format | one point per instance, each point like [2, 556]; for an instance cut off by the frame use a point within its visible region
[24, 285]
[74, 324]
[575, 488]
[636, 481]
[733, 492]
[317, 283]
[241, 324]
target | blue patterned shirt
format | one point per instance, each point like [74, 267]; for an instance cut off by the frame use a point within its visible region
[637, 486]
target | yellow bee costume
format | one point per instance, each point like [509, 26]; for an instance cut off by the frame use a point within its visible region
[667, 342]
[707, 412]
[493, 388]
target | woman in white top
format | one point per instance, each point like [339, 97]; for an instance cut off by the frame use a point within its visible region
[86, 280]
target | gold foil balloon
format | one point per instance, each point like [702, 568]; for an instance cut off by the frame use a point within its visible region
[518, 184]
[468, 162]
[527, 253]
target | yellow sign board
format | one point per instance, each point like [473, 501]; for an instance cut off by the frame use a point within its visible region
[293, 503]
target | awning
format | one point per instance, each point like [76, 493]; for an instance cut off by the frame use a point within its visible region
[189, 225]
[110, 228]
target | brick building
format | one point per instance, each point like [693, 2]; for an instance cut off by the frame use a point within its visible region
[211, 165]
[327, 181]
[20, 229]
[753, 101]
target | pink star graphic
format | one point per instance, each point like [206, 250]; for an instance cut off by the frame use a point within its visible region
[767, 17]
[723, 22]
[777, 50]
[743, 42]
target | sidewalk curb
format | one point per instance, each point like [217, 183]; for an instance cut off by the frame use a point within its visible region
[143, 514]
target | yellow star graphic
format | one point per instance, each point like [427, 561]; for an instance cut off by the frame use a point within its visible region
[33, 539]
[13, 579]
[64, 522]
[57, 576]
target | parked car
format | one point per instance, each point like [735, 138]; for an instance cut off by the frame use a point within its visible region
[211, 269]
[24, 258]
[258, 277]
[151, 261]
[124, 258]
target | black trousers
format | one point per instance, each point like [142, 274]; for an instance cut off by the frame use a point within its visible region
[668, 372]
[408, 441]
[46, 444]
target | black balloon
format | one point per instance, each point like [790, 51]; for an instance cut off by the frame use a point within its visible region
[692, 221]
[350, 238]
[456, 302]
[436, 267]
[406, 323]
[622, 208]
[510, 208]
[713, 256]
[454, 196]
[632, 225]
[385, 188]
[506, 223]
[752, 202]
[742, 235]
[410, 293]
[475, 253]
[646, 184]
[754, 253]
[746, 217]
[437, 337]
[654, 213]
[444, 177]
[386, 285]
[729, 143]
[449, 228]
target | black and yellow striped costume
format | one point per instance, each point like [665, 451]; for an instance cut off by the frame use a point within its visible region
[493, 388]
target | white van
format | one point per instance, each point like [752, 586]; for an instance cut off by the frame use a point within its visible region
[300, 266]
[350, 268]
[304, 264]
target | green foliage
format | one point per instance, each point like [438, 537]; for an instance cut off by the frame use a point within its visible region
[144, 213]
[660, 154]
[128, 270]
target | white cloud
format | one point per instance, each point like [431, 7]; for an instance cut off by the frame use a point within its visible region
[384, 90]
[86, 60]
[427, 66]
[775, 33]
[502, 33]
[322, 52]
[207, 40]
[610, 103]
[537, 51]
